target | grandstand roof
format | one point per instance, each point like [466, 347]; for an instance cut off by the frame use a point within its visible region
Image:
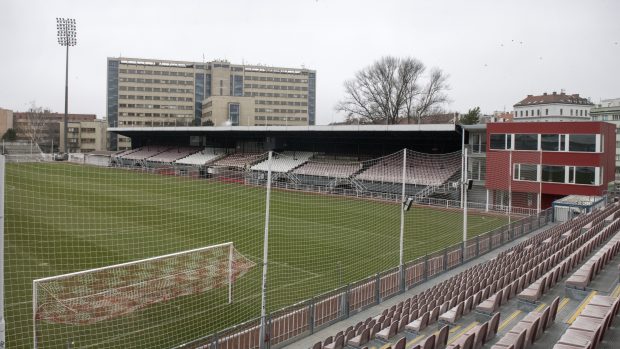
[326, 128]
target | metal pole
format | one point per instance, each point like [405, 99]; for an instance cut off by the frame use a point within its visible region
[465, 202]
[539, 178]
[509, 185]
[265, 251]
[402, 221]
[230, 272]
[66, 96]
[462, 164]
[2, 320]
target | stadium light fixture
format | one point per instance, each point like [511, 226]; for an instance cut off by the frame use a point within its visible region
[67, 36]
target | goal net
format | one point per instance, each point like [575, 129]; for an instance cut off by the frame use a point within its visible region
[91, 296]
[81, 238]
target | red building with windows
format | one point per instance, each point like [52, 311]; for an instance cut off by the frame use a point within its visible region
[540, 162]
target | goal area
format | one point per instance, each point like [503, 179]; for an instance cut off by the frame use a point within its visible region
[91, 296]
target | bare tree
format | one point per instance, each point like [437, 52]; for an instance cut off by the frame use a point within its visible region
[391, 89]
[37, 125]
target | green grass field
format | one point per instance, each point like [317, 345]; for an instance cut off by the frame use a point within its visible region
[61, 218]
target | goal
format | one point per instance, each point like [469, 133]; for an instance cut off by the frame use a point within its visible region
[91, 296]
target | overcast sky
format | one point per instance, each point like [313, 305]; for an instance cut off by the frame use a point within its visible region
[496, 52]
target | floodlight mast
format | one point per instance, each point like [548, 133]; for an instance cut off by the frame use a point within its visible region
[66, 37]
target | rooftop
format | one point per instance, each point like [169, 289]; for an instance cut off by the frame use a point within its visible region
[553, 98]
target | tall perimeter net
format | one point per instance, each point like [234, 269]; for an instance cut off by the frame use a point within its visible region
[164, 246]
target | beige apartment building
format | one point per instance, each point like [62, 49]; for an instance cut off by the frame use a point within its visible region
[85, 136]
[152, 93]
[6, 120]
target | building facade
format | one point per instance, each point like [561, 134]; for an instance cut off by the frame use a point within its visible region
[85, 136]
[44, 128]
[151, 93]
[609, 111]
[6, 120]
[541, 162]
[553, 107]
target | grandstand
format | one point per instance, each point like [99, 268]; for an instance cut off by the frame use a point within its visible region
[284, 162]
[202, 157]
[240, 160]
[328, 169]
[515, 300]
[173, 154]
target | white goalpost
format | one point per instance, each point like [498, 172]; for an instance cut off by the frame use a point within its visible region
[91, 296]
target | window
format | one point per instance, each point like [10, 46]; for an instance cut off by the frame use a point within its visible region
[526, 112]
[501, 141]
[554, 174]
[525, 172]
[550, 142]
[526, 142]
[582, 175]
[547, 111]
[538, 112]
[233, 114]
[561, 111]
[582, 142]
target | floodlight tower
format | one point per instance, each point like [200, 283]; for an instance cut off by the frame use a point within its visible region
[66, 37]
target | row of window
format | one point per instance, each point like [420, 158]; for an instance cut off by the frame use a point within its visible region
[280, 118]
[298, 104]
[547, 142]
[576, 112]
[157, 98]
[275, 95]
[150, 123]
[558, 174]
[276, 87]
[156, 81]
[269, 78]
[155, 115]
[154, 72]
[614, 117]
[155, 89]
[287, 111]
[157, 106]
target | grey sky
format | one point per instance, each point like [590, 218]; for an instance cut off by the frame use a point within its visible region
[496, 52]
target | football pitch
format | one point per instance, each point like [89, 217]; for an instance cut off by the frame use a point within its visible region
[62, 218]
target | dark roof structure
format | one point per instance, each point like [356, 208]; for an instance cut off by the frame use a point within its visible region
[553, 98]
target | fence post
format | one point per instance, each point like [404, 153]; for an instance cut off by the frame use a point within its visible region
[477, 245]
[378, 289]
[346, 301]
[426, 266]
[311, 315]
[445, 259]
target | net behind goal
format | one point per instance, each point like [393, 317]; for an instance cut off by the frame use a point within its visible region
[90, 296]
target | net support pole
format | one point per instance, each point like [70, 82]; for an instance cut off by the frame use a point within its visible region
[230, 273]
[509, 186]
[263, 307]
[34, 313]
[2, 320]
[465, 185]
[402, 222]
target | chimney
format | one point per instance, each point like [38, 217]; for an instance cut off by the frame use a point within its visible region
[554, 93]
[544, 94]
[529, 96]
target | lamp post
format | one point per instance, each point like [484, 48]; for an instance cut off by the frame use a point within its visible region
[66, 37]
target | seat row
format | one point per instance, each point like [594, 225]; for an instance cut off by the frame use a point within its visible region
[530, 328]
[589, 327]
[584, 275]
